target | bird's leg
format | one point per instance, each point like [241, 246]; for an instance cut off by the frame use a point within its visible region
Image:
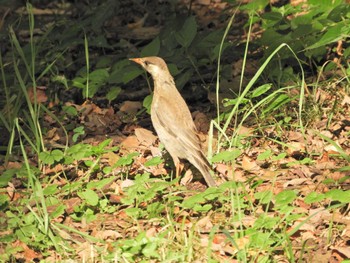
[179, 167]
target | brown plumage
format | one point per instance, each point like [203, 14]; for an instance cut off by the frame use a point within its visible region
[172, 119]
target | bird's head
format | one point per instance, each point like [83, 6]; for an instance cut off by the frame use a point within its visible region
[156, 66]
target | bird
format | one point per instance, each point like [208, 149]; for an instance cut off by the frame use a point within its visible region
[172, 119]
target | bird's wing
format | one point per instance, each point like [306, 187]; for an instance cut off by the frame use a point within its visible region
[176, 119]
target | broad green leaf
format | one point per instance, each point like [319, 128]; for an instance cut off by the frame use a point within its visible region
[89, 196]
[100, 183]
[154, 161]
[339, 195]
[147, 101]
[152, 49]
[265, 155]
[70, 110]
[261, 90]
[314, 197]
[50, 189]
[285, 197]
[7, 176]
[51, 157]
[113, 93]
[277, 102]
[187, 33]
[333, 34]
[265, 197]
[226, 156]
[99, 75]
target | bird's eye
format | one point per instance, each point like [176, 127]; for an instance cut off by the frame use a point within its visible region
[147, 63]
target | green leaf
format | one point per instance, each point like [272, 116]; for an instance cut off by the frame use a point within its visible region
[101, 183]
[314, 198]
[191, 201]
[79, 151]
[60, 210]
[50, 189]
[89, 196]
[279, 157]
[339, 195]
[70, 110]
[286, 197]
[124, 71]
[333, 34]
[154, 161]
[276, 103]
[104, 62]
[187, 33]
[78, 132]
[183, 78]
[150, 250]
[51, 157]
[129, 75]
[226, 156]
[152, 49]
[274, 16]
[261, 90]
[133, 212]
[265, 155]
[79, 82]
[266, 222]
[7, 176]
[126, 160]
[265, 197]
[113, 93]
[202, 208]
[99, 75]
[147, 101]
[3, 200]
[256, 5]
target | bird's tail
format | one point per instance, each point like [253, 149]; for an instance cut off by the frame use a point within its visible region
[202, 164]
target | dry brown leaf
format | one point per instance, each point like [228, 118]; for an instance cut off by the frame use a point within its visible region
[215, 246]
[130, 143]
[295, 182]
[204, 224]
[108, 235]
[111, 158]
[115, 198]
[295, 148]
[28, 254]
[246, 131]
[145, 137]
[54, 169]
[87, 252]
[130, 107]
[126, 183]
[201, 121]
[346, 100]
[71, 203]
[269, 174]
[40, 94]
[151, 232]
[295, 136]
[155, 151]
[344, 250]
[249, 164]
[187, 178]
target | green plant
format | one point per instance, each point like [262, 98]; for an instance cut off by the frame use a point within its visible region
[310, 29]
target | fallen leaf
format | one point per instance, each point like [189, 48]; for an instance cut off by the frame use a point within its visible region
[145, 137]
[39, 96]
[248, 164]
[130, 107]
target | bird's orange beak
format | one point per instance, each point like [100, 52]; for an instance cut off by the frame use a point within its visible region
[137, 60]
